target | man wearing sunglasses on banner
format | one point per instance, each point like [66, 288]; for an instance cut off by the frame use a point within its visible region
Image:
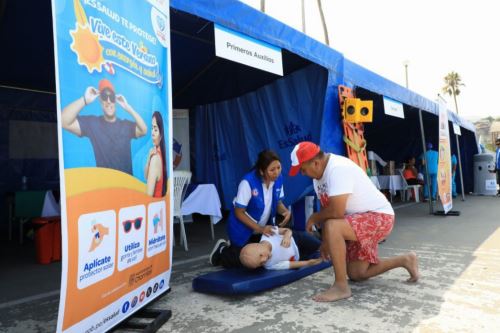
[110, 136]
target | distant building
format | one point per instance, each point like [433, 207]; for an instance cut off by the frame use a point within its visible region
[494, 131]
[483, 130]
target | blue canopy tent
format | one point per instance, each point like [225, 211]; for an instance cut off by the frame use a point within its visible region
[235, 129]
[235, 110]
[404, 137]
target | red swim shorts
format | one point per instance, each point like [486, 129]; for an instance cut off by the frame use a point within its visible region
[370, 228]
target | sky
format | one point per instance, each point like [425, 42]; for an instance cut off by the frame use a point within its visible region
[433, 37]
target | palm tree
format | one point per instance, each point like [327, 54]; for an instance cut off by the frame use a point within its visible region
[263, 6]
[322, 15]
[453, 82]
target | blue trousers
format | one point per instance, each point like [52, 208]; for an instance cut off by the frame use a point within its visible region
[434, 186]
[307, 243]
[453, 185]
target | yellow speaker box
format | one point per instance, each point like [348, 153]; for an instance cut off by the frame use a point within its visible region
[358, 111]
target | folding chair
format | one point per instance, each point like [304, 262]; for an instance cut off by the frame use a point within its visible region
[407, 189]
[181, 181]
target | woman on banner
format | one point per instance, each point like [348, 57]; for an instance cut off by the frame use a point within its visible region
[155, 172]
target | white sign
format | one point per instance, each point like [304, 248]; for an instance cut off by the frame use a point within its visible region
[456, 129]
[491, 185]
[393, 108]
[246, 50]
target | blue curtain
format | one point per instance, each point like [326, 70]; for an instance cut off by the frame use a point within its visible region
[231, 133]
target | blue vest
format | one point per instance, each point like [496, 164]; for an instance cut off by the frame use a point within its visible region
[239, 233]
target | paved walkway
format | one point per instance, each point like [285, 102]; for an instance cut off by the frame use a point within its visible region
[459, 290]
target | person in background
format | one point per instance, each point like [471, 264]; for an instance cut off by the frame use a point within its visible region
[431, 157]
[354, 218]
[155, 172]
[411, 174]
[258, 201]
[453, 174]
[497, 163]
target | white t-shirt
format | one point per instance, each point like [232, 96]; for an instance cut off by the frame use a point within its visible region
[245, 194]
[343, 176]
[280, 256]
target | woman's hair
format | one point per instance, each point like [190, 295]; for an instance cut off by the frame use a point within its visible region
[265, 158]
[159, 121]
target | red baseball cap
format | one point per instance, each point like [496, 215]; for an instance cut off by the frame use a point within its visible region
[302, 152]
[103, 84]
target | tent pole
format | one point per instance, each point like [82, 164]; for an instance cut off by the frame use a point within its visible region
[422, 133]
[196, 77]
[27, 89]
[460, 168]
[185, 35]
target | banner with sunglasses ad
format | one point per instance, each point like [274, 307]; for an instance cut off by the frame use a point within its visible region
[114, 116]
[444, 161]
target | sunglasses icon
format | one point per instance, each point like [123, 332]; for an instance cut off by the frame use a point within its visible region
[107, 95]
[127, 225]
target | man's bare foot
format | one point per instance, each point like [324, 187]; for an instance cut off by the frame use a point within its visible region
[334, 293]
[412, 267]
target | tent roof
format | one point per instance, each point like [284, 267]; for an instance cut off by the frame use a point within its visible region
[245, 19]
[355, 74]
[199, 77]
[238, 16]
[27, 55]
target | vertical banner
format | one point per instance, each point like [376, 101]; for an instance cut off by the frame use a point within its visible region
[115, 148]
[444, 164]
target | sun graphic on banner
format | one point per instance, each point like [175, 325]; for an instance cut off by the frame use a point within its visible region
[87, 48]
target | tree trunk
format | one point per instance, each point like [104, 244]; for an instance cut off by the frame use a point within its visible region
[263, 6]
[323, 22]
[455, 98]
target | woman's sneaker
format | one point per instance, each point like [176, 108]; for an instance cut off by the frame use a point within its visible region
[214, 257]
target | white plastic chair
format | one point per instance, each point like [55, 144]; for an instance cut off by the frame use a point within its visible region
[181, 181]
[406, 190]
